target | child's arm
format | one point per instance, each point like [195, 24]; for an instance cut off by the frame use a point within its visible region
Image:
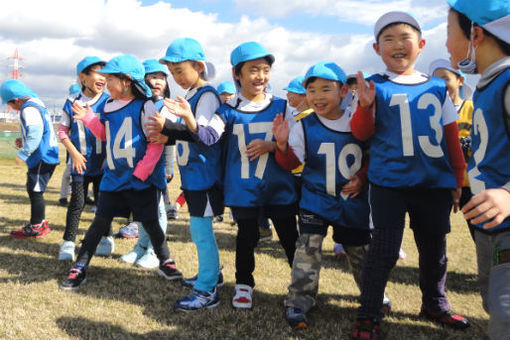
[90, 120]
[363, 120]
[78, 160]
[357, 182]
[489, 204]
[284, 155]
[34, 133]
[456, 158]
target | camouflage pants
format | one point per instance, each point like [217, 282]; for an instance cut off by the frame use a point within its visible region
[306, 269]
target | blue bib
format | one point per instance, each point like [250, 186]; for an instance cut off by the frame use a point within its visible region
[408, 148]
[47, 151]
[489, 165]
[199, 164]
[261, 181]
[125, 147]
[331, 158]
[92, 148]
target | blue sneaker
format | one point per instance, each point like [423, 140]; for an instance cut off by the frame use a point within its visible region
[189, 283]
[197, 299]
[129, 230]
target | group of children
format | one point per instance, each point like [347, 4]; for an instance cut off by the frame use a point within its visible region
[361, 160]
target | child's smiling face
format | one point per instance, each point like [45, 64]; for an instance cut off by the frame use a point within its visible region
[254, 77]
[94, 81]
[324, 97]
[116, 86]
[399, 45]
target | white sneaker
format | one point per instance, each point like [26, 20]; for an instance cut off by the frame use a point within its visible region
[66, 251]
[149, 260]
[106, 246]
[243, 298]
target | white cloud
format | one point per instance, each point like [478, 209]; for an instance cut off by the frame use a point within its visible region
[53, 36]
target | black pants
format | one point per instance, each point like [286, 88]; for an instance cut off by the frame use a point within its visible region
[284, 221]
[37, 180]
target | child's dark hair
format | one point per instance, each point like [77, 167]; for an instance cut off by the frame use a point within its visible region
[238, 67]
[465, 26]
[351, 81]
[312, 79]
[137, 93]
[395, 24]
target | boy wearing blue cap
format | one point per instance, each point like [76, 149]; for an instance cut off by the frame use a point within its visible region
[334, 188]
[39, 152]
[416, 166]
[226, 90]
[296, 95]
[199, 164]
[133, 176]
[86, 151]
[479, 42]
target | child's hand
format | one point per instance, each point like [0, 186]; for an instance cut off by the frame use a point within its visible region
[155, 124]
[489, 204]
[281, 132]
[257, 148]
[179, 107]
[158, 139]
[456, 199]
[353, 187]
[18, 142]
[79, 162]
[19, 161]
[366, 94]
[79, 111]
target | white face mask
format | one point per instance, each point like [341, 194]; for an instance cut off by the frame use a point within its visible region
[468, 65]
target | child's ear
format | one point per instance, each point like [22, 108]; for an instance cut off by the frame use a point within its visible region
[234, 75]
[421, 44]
[199, 66]
[376, 48]
[343, 90]
[461, 80]
[81, 77]
[477, 35]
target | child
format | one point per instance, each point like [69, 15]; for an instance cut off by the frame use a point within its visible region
[133, 177]
[199, 166]
[226, 90]
[87, 152]
[454, 80]
[332, 185]
[416, 166]
[296, 95]
[253, 181]
[143, 254]
[481, 31]
[39, 152]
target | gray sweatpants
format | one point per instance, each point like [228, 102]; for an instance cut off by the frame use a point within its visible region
[494, 279]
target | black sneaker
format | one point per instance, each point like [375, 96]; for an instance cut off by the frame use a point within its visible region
[448, 319]
[169, 271]
[89, 200]
[296, 318]
[75, 278]
[62, 202]
[368, 329]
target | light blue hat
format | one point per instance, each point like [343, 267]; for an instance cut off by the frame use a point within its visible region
[392, 18]
[249, 51]
[326, 70]
[226, 86]
[130, 66]
[183, 49]
[75, 88]
[445, 64]
[13, 89]
[153, 66]
[296, 85]
[493, 15]
[86, 62]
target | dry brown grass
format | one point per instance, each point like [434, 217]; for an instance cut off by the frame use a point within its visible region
[124, 302]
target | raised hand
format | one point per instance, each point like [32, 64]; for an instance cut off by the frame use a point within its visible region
[79, 111]
[155, 124]
[281, 132]
[366, 93]
[179, 107]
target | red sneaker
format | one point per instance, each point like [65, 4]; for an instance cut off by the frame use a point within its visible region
[449, 319]
[32, 230]
[368, 329]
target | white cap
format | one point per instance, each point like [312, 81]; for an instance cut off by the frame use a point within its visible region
[392, 18]
[445, 64]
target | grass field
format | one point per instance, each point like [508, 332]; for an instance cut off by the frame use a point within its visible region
[120, 301]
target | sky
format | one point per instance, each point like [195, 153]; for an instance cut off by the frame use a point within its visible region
[54, 35]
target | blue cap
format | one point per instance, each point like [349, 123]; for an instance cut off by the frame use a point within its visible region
[75, 88]
[13, 89]
[249, 51]
[153, 66]
[326, 70]
[296, 85]
[86, 62]
[226, 86]
[183, 49]
[493, 15]
[130, 66]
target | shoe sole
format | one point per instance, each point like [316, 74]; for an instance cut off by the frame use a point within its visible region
[300, 326]
[65, 258]
[241, 307]
[180, 309]
[169, 278]
[40, 235]
[73, 289]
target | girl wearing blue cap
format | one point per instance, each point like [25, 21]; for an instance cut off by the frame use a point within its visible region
[334, 190]
[86, 151]
[143, 254]
[39, 151]
[133, 176]
[479, 42]
[199, 165]
[226, 90]
[253, 182]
